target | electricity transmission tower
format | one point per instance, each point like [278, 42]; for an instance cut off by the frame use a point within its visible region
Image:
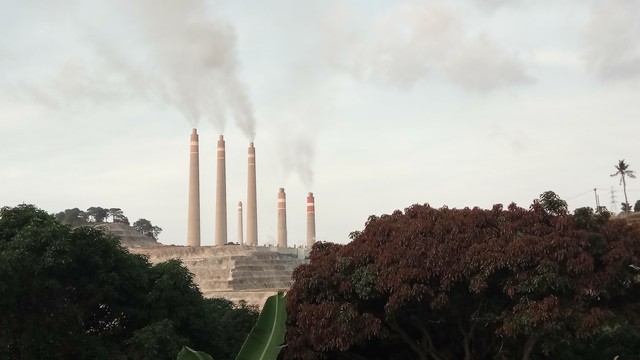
[613, 201]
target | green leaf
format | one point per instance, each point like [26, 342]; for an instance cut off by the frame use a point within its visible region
[188, 353]
[267, 336]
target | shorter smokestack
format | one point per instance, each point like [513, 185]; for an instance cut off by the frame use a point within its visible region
[240, 222]
[193, 215]
[282, 219]
[311, 220]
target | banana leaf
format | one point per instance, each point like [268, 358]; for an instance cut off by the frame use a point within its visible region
[188, 353]
[267, 336]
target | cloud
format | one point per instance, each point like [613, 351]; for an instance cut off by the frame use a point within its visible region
[413, 41]
[612, 39]
[481, 64]
[491, 5]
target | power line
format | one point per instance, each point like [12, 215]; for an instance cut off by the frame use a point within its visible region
[584, 193]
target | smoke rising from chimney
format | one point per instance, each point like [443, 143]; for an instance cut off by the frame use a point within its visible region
[173, 52]
[297, 156]
[296, 144]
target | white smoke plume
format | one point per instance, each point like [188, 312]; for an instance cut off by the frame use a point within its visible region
[298, 156]
[612, 39]
[413, 41]
[172, 51]
[492, 5]
[297, 141]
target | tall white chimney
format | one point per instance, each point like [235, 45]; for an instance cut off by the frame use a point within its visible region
[252, 204]
[221, 197]
[193, 215]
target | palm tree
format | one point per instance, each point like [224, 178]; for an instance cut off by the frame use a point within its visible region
[623, 171]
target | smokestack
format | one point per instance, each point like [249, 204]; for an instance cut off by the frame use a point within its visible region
[221, 197]
[193, 217]
[240, 223]
[311, 220]
[282, 219]
[252, 215]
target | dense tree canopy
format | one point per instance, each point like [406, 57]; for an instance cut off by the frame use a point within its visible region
[427, 283]
[117, 216]
[73, 217]
[97, 214]
[75, 293]
[146, 228]
[94, 214]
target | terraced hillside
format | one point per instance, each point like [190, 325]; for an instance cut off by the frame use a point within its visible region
[234, 272]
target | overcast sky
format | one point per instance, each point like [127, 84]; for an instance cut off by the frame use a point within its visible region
[371, 105]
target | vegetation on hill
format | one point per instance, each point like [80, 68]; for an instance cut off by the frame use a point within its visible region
[97, 214]
[515, 283]
[75, 293]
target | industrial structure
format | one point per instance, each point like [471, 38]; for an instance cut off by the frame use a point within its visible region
[221, 196]
[311, 220]
[220, 231]
[240, 223]
[252, 202]
[282, 218]
[193, 216]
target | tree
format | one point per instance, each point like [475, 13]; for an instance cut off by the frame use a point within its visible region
[636, 207]
[73, 217]
[117, 216]
[97, 214]
[75, 293]
[553, 204]
[626, 208]
[145, 227]
[624, 172]
[468, 284]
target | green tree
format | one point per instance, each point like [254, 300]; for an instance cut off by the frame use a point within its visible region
[117, 216]
[553, 204]
[97, 214]
[469, 284]
[75, 293]
[73, 217]
[636, 207]
[145, 227]
[622, 170]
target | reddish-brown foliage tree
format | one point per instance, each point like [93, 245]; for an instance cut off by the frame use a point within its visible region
[465, 284]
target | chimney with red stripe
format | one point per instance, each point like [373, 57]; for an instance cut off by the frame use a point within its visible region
[252, 203]
[221, 197]
[282, 218]
[311, 220]
[193, 214]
